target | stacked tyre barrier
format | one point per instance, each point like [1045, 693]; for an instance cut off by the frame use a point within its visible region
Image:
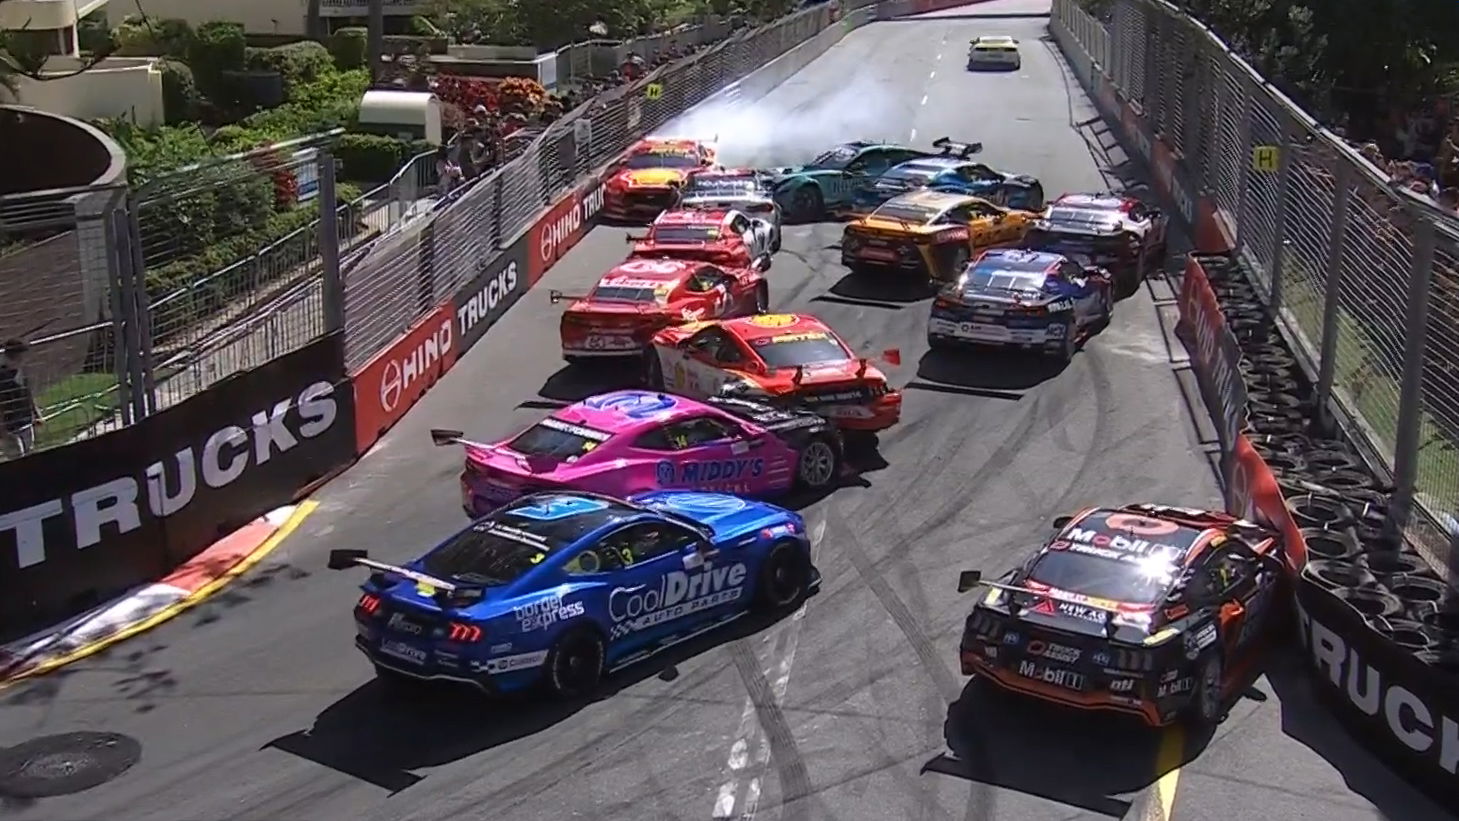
[1380, 628]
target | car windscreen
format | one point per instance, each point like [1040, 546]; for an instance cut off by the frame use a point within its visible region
[912, 173]
[793, 350]
[906, 212]
[664, 159]
[499, 549]
[835, 159]
[991, 278]
[556, 439]
[722, 187]
[1085, 218]
[1102, 578]
[686, 233]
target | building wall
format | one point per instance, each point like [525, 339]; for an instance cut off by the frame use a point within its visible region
[262, 16]
[128, 87]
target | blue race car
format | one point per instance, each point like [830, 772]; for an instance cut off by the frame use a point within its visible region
[829, 182]
[1023, 299]
[561, 588]
[955, 175]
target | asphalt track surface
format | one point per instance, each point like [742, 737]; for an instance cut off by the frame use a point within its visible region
[256, 706]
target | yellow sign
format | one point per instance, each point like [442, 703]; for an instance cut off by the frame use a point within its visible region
[1265, 158]
[774, 320]
[653, 91]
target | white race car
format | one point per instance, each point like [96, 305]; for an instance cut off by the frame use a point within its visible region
[997, 51]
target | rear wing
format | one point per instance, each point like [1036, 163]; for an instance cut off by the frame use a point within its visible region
[956, 149]
[555, 296]
[970, 579]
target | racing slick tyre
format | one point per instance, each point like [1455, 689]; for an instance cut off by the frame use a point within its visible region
[1207, 707]
[775, 242]
[784, 578]
[955, 267]
[575, 664]
[1106, 311]
[807, 203]
[762, 302]
[819, 464]
[1070, 346]
[653, 370]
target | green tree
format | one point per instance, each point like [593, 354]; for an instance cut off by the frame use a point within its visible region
[24, 53]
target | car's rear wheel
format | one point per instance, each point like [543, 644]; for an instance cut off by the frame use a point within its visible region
[959, 261]
[1206, 707]
[575, 664]
[784, 577]
[775, 240]
[819, 464]
[1070, 346]
[807, 203]
[653, 370]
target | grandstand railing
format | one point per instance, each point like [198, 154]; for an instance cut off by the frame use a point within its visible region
[1362, 274]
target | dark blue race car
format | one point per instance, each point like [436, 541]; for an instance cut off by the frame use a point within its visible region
[1023, 299]
[561, 588]
[955, 175]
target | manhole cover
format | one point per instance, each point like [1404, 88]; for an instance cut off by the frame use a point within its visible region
[65, 764]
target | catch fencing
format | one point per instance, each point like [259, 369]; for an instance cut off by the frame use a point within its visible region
[1362, 275]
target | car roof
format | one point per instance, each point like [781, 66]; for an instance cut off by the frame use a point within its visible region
[995, 40]
[1102, 202]
[1017, 261]
[691, 217]
[666, 146]
[664, 271]
[1133, 535]
[750, 328]
[934, 163]
[546, 512]
[628, 411]
[937, 200]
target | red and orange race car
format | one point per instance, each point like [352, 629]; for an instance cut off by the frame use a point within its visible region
[785, 359]
[1146, 609]
[647, 180]
[639, 297]
[725, 237]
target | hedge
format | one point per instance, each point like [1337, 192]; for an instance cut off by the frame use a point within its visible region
[168, 37]
[298, 63]
[180, 96]
[349, 47]
[374, 158]
[217, 47]
[181, 292]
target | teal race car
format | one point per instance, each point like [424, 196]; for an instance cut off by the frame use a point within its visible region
[828, 184]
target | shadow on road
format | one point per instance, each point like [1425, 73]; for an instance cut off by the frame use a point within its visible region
[892, 289]
[574, 383]
[381, 736]
[999, 374]
[1097, 762]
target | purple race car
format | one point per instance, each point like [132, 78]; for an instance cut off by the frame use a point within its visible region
[628, 442]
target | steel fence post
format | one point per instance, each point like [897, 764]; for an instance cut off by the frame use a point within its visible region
[139, 326]
[1243, 141]
[1410, 392]
[333, 296]
[119, 237]
[1279, 228]
[1337, 235]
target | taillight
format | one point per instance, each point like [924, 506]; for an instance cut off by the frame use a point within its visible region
[1028, 310]
[944, 303]
[368, 604]
[1132, 660]
[878, 390]
[464, 633]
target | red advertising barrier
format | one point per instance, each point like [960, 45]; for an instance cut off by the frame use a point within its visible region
[563, 226]
[1254, 494]
[392, 382]
[1215, 353]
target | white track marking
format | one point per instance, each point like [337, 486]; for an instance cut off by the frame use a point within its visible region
[933, 75]
[914, 135]
[748, 734]
[924, 99]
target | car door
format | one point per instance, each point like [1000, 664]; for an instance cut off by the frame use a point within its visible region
[645, 596]
[711, 454]
[983, 181]
[751, 233]
[718, 291]
[698, 369]
[1071, 282]
[1229, 579]
[870, 164]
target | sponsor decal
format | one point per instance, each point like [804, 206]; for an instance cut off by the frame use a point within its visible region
[394, 380]
[634, 404]
[400, 622]
[677, 594]
[560, 228]
[1053, 652]
[546, 612]
[1052, 675]
[495, 287]
[404, 652]
[1078, 611]
[1116, 545]
[1012, 639]
[506, 664]
[1175, 688]
[222, 458]
[564, 507]
[504, 647]
[719, 470]
[1059, 306]
[576, 430]
[1122, 685]
[1198, 640]
[1397, 700]
[773, 320]
[1214, 354]
[1101, 659]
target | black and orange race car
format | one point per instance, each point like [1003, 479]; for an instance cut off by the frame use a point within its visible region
[931, 234]
[789, 360]
[1118, 232]
[726, 237]
[638, 297]
[1145, 609]
[647, 180]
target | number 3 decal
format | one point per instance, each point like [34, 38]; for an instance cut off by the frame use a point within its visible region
[650, 266]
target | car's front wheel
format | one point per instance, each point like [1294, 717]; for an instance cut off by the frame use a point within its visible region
[1206, 707]
[819, 464]
[575, 664]
[807, 203]
[784, 577]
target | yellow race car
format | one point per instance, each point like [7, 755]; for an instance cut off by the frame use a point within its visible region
[932, 233]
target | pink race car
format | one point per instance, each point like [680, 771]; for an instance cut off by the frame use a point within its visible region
[628, 442]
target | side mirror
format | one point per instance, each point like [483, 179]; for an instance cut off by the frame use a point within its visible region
[968, 579]
[441, 438]
[555, 297]
[344, 559]
[693, 560]
[761, 263]
[1062, 521]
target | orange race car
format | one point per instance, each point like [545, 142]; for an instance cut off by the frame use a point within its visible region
[789, 359]
[932, 234]
[638, 297]
[647, 180]
[725, 237]
[1146, 609]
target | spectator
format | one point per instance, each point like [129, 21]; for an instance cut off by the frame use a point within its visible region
[1449, 199]
[19, 414]
[447, 171]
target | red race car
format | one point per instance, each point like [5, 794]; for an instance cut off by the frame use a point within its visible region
[725, 237]
[641, 296]
[787, 359]
[648, 179]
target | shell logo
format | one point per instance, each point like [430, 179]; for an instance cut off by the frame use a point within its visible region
[774, 320]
